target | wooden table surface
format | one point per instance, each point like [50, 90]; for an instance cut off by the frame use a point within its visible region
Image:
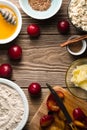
[43, 60]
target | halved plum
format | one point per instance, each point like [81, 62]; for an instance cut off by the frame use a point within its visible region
[79, 124]
[46, 120]
[52, 104]
[80, 119]
[78, 114]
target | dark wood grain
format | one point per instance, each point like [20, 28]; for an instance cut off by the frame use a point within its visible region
[43, 59]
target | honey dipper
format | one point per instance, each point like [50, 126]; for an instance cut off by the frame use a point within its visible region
[8, 16]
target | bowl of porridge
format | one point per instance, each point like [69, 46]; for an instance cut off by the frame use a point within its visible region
[14, 109]
[77, 12]
[40, 9]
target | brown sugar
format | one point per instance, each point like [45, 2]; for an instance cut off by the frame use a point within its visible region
[40, 5]
[6, 29]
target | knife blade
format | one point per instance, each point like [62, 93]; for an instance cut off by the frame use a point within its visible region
[62, 107]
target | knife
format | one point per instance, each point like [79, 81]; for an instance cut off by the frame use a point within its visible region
[62, 107]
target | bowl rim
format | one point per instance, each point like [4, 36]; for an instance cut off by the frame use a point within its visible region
[24, 99]
[83, 49]
[40, 15]
[19, 26]
[77, 28]
[78, 60]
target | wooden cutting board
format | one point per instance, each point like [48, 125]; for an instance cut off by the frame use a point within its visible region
[70, 102]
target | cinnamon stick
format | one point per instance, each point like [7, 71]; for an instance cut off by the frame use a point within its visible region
[72, 41]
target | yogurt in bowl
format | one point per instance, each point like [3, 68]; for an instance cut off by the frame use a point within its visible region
[14, 108]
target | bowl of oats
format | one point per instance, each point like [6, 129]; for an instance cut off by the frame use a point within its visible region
[40, 9]
[77, 13]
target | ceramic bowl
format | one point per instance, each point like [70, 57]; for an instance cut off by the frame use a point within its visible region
[18, 14]
[77, 19]
[74, 89]
[41, 15]
[24, 99]
[83, 46]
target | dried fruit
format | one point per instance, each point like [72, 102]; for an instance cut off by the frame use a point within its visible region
[46, 120]
[52, 104]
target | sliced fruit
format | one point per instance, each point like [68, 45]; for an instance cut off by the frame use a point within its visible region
[60, 123]
[53, 127]
[79, 124]
[78, 114]
[52, 104]
[46, 120]
[61, 116]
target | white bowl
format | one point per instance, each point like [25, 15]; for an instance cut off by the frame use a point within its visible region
[24, 99]
[80, 52]
[40, 15]
[18, 14]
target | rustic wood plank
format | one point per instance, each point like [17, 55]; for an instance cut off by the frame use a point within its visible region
[34, 102]
[43, 59]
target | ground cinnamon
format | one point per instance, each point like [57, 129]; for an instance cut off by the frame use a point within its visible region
[76, 47]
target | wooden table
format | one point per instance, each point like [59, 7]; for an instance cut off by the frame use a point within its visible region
[43, 59]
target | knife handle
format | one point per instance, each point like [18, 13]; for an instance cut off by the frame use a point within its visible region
[73, 127]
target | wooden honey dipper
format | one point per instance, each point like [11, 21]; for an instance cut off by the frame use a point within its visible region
[8, 16]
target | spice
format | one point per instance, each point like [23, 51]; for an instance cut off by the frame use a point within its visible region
[76, 47]
[74, 40]
[40, 5]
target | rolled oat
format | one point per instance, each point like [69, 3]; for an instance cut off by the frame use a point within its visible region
[78, 13]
